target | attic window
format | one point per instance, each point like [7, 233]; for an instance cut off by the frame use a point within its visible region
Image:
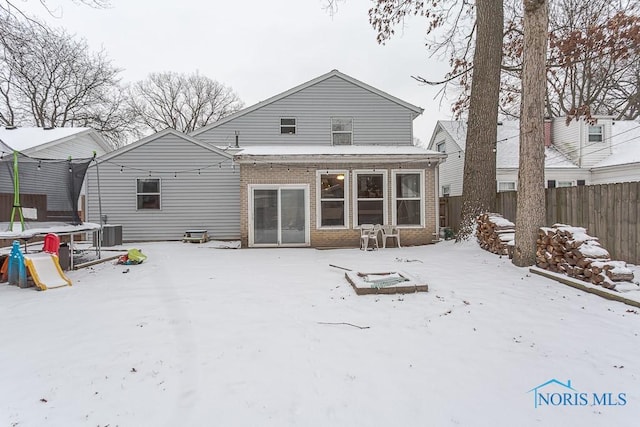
[288, 126]
[595, 133]
[441, 147]
[341, 131]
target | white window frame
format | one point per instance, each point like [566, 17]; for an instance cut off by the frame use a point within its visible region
[294, 126]
[394, 196]
[560, 184]
[515, 186]
[319, 199]
[442, 145]
[598, 135]
[333, 133]
[159, 194]
[385, 192]
[446, 193]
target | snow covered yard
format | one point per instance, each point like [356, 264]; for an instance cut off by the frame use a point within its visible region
[199, 336]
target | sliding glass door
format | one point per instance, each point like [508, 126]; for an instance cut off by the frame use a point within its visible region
[279, 216]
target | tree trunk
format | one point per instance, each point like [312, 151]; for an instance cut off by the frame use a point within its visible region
[479, 181]
[531, 200]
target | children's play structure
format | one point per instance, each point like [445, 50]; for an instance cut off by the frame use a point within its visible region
[39, 198]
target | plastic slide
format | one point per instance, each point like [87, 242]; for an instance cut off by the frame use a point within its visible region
[45, 271]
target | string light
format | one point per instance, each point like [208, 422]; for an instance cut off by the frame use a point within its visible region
[39, 164]
[175, 174]
[198, 171]
[121, 169]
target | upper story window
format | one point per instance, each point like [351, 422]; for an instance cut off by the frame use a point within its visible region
[596, 133]
[341, 131]
[148, 193]
[440, 147]
[288, 126]
[446, 190]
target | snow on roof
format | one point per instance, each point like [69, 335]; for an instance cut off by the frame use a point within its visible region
[314, 150]
[21, 139]
[625, 144]
[507, 145]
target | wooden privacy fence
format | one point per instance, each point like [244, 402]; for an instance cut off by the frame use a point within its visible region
[609, 212]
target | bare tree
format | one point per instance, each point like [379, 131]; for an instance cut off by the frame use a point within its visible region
[13, 7]
[49, 78]
[181, 102]
[479, 179]
[463, 31]
[592, 59]
[531, 199]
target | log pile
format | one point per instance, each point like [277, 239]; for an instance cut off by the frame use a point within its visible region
[495, 233]
[570, 250]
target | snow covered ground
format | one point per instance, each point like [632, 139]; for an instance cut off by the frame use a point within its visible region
[199, 336]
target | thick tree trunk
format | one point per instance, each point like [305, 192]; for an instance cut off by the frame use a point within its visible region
[479, 181]
[531, 200]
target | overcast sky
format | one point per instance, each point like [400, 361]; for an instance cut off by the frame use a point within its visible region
[258, 47]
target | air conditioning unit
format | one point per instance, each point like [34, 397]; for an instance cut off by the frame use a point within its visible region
[111, 235]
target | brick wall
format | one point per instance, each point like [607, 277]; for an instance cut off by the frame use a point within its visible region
[349, 237]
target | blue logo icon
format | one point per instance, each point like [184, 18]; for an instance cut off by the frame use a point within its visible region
[557, 393]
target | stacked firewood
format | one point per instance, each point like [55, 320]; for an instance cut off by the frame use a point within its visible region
[570, 250]
[495, 233]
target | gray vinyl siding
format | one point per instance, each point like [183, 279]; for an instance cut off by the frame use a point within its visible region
[376, 120]
[209, 200]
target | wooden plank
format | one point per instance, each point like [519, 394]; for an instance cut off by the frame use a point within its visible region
[623, 238]
[634, 227]
[583, 287]
[614, 242]
[590, 207]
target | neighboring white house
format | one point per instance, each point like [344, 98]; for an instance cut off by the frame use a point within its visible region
[55, 143]
[306, 167]
[578, 153]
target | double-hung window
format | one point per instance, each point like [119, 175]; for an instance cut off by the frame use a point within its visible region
[332, 206]
[148, 193]
[441, 147]
[341, 131]
[408, 197]
[596, 133]
[288, 126]
[370, 195]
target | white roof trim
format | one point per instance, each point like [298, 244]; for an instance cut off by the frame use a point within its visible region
[334, 73]
[158, 135]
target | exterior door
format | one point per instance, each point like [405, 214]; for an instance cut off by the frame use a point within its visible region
[279, 216]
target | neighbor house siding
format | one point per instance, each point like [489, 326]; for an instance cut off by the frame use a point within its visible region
[376, 120]
[451, 169]
[573, 140]
[205, 200]
[614, 174]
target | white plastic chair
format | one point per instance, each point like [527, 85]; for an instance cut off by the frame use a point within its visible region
[368, 233]
[390, 232]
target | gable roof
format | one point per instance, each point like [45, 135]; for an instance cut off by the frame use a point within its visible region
[29, 138]
[507, 144]
[334, 73]
[159, 135]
